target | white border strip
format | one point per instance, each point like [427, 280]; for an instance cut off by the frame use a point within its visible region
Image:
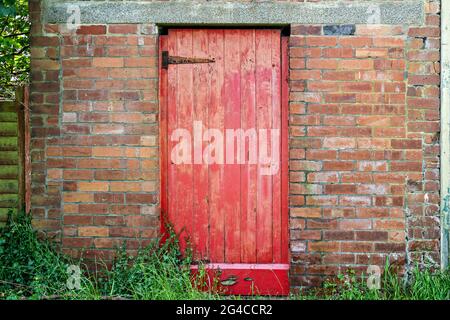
[243, 266]
[445, 129]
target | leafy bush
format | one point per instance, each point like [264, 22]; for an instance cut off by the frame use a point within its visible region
[33, 268]
[422, 284]
[30, 267]
[14, 46]
[157, 272]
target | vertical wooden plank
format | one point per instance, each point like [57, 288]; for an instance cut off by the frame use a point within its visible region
[11, 155]
[276, 125]
[232, 105]
[284, 150]
[163, 154]
[233, 213]
[20, 146]
[172, 100]
[248, 171]
[184, 114]
[216, 171]
[445, 132]
[27, 142]
[200, 177]
[264, 121]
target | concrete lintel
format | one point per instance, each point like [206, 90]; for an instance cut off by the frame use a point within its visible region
[409, 12]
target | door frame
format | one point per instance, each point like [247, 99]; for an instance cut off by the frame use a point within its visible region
[284, 166]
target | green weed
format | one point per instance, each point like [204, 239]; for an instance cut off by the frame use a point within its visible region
[422, 284]
[32, 268]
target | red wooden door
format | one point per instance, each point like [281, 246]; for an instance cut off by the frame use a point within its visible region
[223, 137]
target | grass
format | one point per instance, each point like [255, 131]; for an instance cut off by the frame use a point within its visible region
[32, 268]
[422, 284]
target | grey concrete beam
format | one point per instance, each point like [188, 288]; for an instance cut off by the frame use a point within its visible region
[409, 12]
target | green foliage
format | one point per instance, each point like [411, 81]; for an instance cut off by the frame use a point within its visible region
[156, 272]
[14, 46]
[32, 268]
[424, 284]
[28, 266]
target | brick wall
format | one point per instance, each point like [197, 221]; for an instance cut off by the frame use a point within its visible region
[95, 155]
[364, 147]
[364, 142]
[350, 156]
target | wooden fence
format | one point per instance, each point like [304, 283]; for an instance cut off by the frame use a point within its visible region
[14, 160]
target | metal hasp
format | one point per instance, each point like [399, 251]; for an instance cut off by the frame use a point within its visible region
[166, 60]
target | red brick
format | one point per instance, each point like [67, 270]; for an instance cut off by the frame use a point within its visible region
[424, 32]
[339, 143]
[321, 200]
[109, 197]
[91, 29]
[323, 246]
[77, 197]
[356, 246]
[406, 166]
[305, 30]
[321, 63]
[378, 30]
[354, 154]
[77, 220]
[339, 165]
[338, 235]
[355, 201]
[305, 74]
[372, 189]
[321, 154]
[423, 79]
[93, 208]
[140, 62]
[93, 186]
[356, 64]
[356, 178]
[406, 144]
[126, 186]
[389, 224]
[337, 52]
[92, 72]
[340, 189]
[355, 41]
[43, 41]
[388, 42]
[93, 231]
[371, 53]
[390, 247]
[321, 41]
[77, 242]
[339, 120]
[305, 212]
[107, 62]
[339, 75]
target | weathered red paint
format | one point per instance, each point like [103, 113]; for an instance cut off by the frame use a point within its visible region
[247, 278]
[233, 217]
[284, 149]
[163, 135]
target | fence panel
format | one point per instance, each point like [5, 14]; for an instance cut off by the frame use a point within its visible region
[13, 133]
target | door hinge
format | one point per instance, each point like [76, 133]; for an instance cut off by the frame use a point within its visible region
[166, 60]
